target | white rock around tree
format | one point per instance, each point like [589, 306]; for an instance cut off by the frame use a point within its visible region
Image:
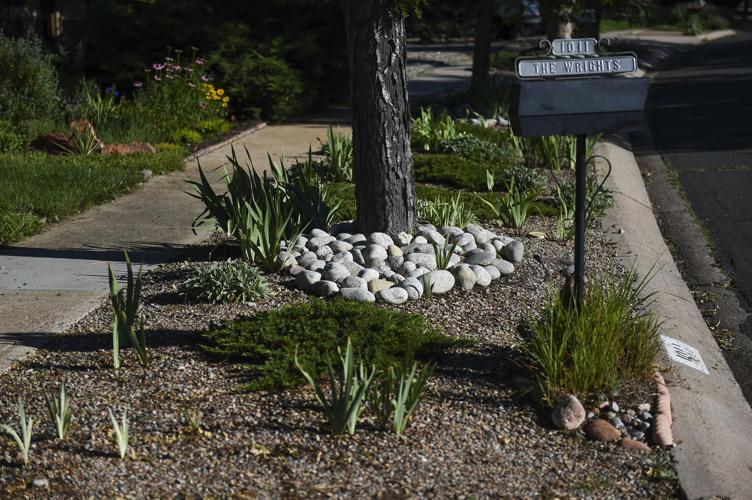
[390, 268]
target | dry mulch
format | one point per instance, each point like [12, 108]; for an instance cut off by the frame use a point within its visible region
[473, 435]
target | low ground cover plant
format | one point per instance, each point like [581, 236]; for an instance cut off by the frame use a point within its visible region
[477, 149]
[39, 188]
[452, 170]
[231, 280]
[269, 340]
[607, 342]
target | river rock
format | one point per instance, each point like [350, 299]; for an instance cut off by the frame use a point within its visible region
[600, 430]
[319, 233]
[356, 239]
[479, 257]
[343, 236]
[403, 238]
[413, 286]
[319, 241]
[394, 251]
[381, 239]
[374, 255]
[395, 261]
[324, 288]
[481, 235]
[568, 414]
[420, 239]
[323, 252]
[433, 236]
[285, 260]
[406, 267]
[419, 271]
[375, 286]
[340, 246]
[317, 265]
[342, 257]
[482, 278]
[305, 280]
[493, 272]
[633, 444]
[306, 259]
[442, 280]
[464, 277]
[463, 239]
[357, 295]
[354, 268]
[394, 295]
[369, 274]
[358, 257]
[423, 259]
[335, 272]
[513, 251]
[504, 267]
[353, 282]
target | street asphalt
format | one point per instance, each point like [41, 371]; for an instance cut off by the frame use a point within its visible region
[700, 121]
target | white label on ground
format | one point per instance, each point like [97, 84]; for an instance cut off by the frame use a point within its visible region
[684, 353]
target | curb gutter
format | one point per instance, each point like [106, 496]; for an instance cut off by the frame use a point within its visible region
[713, 421]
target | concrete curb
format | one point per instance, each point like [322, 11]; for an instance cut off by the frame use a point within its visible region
[210, 149]
[713, 421]
[669, 37]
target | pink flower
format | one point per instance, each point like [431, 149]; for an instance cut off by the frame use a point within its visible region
[158, 67]
[199, 61]
[192, 85]
[204, 78]
[138, 84]
[202, 105]
[158, 78]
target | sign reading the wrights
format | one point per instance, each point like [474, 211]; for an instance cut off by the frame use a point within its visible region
[573, 58]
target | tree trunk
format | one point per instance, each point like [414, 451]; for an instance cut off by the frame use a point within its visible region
[482, 48]
[382, 161]
[593, 28]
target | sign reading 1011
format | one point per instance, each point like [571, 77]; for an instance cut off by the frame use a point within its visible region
[573, 58]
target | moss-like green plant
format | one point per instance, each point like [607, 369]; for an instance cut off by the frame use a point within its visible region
[348, 393]
[267, 341]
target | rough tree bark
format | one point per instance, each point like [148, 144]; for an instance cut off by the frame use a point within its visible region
[557, 16]
[482, 47]
[382, 161]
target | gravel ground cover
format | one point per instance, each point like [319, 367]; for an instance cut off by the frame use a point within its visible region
[474, 435]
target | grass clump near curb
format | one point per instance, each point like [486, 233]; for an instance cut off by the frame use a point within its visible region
[268, 341]
[606, 343]
[45, 187]
[232, 280]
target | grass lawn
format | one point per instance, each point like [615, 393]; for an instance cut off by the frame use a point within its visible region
[39, 188]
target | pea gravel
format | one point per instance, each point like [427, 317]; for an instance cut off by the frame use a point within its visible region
[474, 435]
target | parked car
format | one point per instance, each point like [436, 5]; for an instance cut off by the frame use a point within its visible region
[517, 17]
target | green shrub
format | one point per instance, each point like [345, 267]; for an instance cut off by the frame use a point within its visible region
[452, 170]
[474, 148]
[213, 126]
[10, 140]
[525, 178]
[28, 82]
[232, 280]
[186, 136]
[268, 341]
[262, 86]
[607, 342]
[694, 21]
[498, 136]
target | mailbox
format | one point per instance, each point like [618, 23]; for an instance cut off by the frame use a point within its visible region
[573, 90]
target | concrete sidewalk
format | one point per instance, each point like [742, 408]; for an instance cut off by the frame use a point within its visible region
[51, 280]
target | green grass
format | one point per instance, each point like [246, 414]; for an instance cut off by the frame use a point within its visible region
[37, 186]
[268, 341]
[452, 170]
[603, 345]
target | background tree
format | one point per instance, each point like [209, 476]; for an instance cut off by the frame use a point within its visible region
[482, 47]
[382, 161]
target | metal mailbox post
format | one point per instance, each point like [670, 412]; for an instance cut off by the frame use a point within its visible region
[574, 90]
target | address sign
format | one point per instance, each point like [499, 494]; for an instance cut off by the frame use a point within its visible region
[573, 58]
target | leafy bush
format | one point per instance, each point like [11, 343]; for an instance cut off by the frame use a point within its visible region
[525, 178]
[474, 148]
[607, 342]
[186, 136]
[10, 140]
[28, 82]
[452, 170]
[428, 130]
[694, 21]
[268, 340]
[263, 86]
[231, 280]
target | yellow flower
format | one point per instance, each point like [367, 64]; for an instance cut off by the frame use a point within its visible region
[220, 91]
[224, 104]
[225, 99]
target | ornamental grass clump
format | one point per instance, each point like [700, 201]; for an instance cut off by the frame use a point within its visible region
[58, 407]
[24, 440]
[451, 212]
[606, 342]
[120, 431]
[348, 392]
[124, 308]
[396, 394]
[338, 156]
[268, 341]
